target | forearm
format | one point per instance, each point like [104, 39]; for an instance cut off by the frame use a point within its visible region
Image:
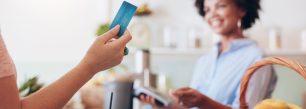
[9, 93]
[56, 95]
[7, 67]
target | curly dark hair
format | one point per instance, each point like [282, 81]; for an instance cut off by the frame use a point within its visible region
[251, 8]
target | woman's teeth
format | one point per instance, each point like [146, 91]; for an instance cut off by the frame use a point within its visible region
[215, 23]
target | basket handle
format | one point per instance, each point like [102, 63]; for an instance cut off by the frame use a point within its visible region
[299, 68]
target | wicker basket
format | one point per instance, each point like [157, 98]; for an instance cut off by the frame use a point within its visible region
[299, 68]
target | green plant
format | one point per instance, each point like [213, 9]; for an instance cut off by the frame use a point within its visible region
[30, 86]
[102, 29]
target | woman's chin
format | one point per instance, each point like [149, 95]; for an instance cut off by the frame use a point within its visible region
[222, 31]
[219, 31]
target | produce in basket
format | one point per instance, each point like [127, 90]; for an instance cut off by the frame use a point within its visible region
[269, 104]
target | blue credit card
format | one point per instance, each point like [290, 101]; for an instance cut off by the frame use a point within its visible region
[123, 17]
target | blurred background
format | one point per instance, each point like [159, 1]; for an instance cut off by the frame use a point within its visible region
[47, 38]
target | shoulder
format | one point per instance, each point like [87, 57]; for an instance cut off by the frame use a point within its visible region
[253, 51]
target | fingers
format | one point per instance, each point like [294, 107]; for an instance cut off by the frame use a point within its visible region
[184, 88]
[180, 92]
[124, 39]
[185, 96]
[147, 99]
[189, 97]
[174, 97]
[152, 100]
[111, 40]
[110, 34]
[188, 105]
[142, 98]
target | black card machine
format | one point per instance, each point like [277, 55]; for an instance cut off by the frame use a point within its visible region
[160, 99]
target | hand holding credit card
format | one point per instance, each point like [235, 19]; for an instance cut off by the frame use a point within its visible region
[123, 18]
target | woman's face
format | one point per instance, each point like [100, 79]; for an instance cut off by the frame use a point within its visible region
[222, 15]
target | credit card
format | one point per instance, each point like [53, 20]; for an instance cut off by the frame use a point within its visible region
[123, 17]
[159, 98]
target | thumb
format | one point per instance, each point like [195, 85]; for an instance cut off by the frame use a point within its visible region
[110, 34]
[180, 92]
[171, 94]
[122, 41]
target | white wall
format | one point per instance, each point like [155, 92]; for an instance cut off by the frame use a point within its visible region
[287, 15]
[50, 30]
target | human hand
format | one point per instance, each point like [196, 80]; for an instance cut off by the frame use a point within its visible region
[189, 97]
[104, 53]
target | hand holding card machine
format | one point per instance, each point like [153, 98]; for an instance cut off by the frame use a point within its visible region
[160, 99]
[123, 18]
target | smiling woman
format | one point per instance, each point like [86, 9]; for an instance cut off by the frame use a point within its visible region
[216, 80]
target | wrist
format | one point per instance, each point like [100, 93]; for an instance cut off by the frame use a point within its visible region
[203, 103]
[86, 69]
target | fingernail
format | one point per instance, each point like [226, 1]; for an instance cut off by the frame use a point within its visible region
[126, 32]
[115, 27]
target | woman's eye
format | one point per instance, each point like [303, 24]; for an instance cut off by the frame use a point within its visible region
[221, 5]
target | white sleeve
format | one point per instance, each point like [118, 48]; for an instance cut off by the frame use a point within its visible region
[260, 87]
